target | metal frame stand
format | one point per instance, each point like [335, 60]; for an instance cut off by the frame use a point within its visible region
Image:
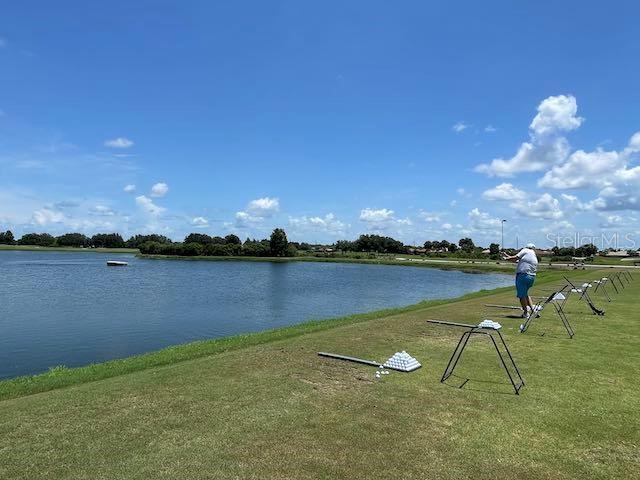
[539, 307]
[462, 343]
[617, 276]
[615, 287]
[600, 284]
[584, 295]
[558, 306]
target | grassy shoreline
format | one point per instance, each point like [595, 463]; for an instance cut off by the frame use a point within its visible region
[36, 248]
[469, 266]
[61, 376]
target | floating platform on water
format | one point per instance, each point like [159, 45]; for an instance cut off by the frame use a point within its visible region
[115, 263]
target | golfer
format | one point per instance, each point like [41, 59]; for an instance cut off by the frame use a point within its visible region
[525, 275]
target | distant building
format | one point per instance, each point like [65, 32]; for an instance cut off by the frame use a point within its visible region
[617, 253]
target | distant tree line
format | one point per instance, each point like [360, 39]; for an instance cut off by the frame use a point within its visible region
[79, 240]
[588, 250]
[277, 245]
[196, 244]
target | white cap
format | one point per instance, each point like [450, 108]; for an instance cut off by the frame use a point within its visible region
[531, 246]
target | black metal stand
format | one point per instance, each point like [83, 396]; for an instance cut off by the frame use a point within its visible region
[600, 284]
[584, 295]
[489, 332]
[558, 306]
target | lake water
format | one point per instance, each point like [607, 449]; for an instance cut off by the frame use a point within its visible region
[59, 308]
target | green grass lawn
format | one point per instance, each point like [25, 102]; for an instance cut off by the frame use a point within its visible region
[271, 408]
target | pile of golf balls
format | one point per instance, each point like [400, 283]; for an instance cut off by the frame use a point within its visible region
[382, 371]
[486, 323]
[402, 361]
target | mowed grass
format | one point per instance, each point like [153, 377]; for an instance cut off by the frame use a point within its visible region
[277, 410]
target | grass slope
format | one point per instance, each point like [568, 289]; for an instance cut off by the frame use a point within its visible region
[277, 410]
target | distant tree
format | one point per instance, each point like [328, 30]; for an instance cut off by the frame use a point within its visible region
[73, 240]
[232, 240]
[151, 248]
[38, 239]
[588, 250]
[107, 240]
[441, 245]
[494, 249]
[254, 248]
[217, 250]
[201, 238]
[278, 243]
[218, 240]
[466, 244]
[452, 248]
[377, 243]
[137, 240]
[428, 245]
[305, 246]
[192, 249]
[7, 238]
[343, 246]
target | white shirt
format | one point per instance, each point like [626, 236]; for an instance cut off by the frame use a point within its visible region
[528, 262]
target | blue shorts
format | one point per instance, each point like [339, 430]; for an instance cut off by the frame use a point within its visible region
[523, 283]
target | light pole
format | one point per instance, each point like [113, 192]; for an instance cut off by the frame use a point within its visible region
[502, 240]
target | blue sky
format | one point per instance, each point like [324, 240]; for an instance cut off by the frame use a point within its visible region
[414, 120]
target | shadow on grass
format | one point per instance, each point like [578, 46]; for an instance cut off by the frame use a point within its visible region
[486, 385]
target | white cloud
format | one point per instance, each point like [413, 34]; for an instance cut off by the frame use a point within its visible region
[460, 127]
[199, 222]
[160, 189]
[243, 219]
[256, 211]
[129, 188]
[446, 226]
[374, 216]
[611, 221]
[583, 170]
[327, 224]
[504, 192]
[556, 114]
[482, 220]
[47, 216]
[544, 207]
[609, 171]
[102, 211]
[429, 216]
[490, 129]
[557, 227]
[146, 204]
[263, 207]
[546, 146]
[120, 142]
[382, 219]
[532, 156]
